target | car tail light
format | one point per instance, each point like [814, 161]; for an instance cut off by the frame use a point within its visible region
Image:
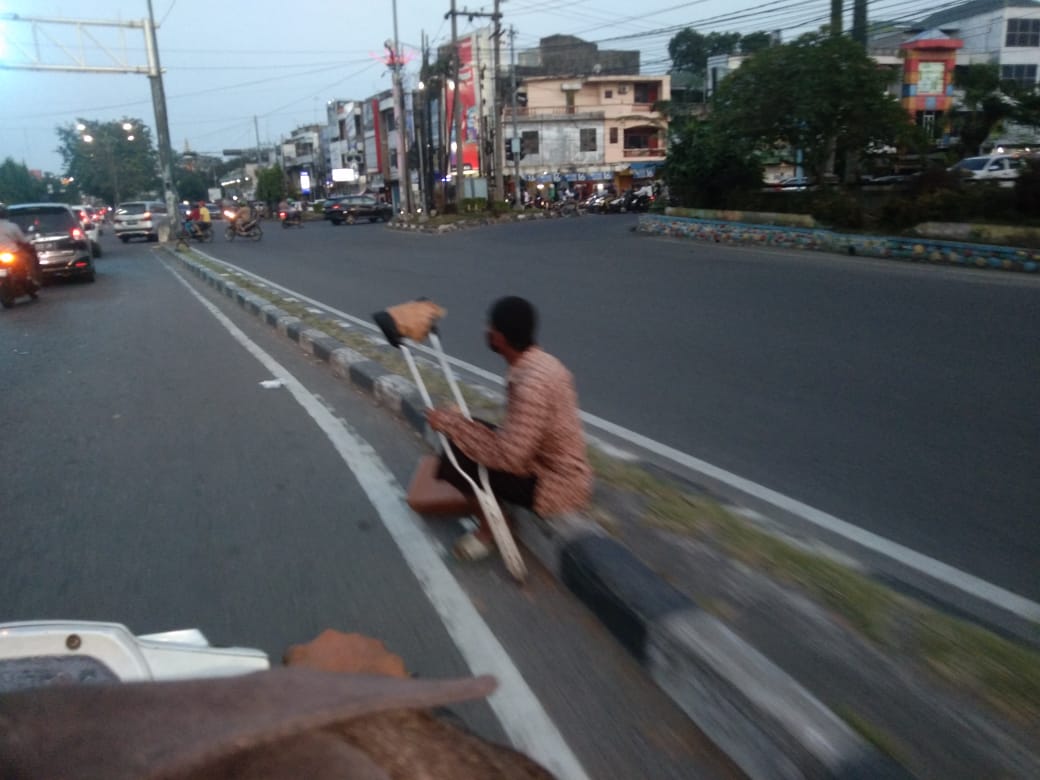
[76, 233]
[6, 258]
[80, 264]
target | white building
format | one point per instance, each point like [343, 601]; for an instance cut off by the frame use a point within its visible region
[1004, 32]
[345, 157]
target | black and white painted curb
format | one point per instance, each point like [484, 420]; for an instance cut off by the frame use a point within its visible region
[768, 724]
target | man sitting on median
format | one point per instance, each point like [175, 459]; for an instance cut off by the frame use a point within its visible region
[537, 458]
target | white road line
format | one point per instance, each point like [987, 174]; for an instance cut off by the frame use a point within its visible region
[948, 575]
[522, 716]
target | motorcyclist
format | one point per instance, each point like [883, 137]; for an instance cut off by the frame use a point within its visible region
[244, 218]
[11, 235]
[203, 219]
[291, 214]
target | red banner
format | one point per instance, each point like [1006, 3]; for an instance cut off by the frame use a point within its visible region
[466, 90]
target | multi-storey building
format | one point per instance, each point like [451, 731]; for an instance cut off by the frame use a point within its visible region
[345, 160]
[591, 129]
[1003, 32]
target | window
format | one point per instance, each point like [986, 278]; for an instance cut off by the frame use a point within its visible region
[529, 142]
[645, 93]
[393, 158]
[608, 94]
[623, 89]
[588, 140]
[613, 135]
[570, 102]
[1023, 32]
[1023, 75]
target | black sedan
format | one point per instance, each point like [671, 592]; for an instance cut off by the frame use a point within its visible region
[351, 208]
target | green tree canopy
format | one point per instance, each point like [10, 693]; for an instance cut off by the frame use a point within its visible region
[17, 185]
[986, 102]
[707, 162]
[820, 94]
[114, 160]
[191, 185]
[270, 184]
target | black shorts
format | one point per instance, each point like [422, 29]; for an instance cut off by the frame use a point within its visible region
[507, 487]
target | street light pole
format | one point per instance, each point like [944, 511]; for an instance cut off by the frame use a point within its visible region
[162, 126]
[404, 180]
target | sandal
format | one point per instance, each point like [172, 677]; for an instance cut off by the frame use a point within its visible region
[469, 547]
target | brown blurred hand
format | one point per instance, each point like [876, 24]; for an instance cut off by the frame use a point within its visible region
[335, 651]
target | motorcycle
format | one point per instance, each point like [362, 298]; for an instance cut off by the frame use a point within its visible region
[195, 231]
[44, 652]
[16, 278]
[291, 218]
[251, 229]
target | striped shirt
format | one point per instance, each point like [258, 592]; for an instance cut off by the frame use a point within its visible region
[541, 435]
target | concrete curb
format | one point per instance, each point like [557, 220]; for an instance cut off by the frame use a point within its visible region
[913, 249]
[768, 724]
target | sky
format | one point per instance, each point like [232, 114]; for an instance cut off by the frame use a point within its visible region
[228, 61]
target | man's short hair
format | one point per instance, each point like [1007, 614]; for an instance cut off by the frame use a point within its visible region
[516, 319]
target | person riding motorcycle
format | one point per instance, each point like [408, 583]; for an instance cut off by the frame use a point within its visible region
[244, 218]
[12, 236]
[203, 219]
[292, 215]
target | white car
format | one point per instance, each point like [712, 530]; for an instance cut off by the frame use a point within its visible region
[993, 167]
[91, 227]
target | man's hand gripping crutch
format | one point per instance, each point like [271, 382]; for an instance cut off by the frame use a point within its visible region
[416, 321]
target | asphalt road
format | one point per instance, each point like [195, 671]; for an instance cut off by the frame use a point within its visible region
[899, 398]
[150, 478]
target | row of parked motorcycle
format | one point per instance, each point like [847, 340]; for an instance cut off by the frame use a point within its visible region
[599, 203]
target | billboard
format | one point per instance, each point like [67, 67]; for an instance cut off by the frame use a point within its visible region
[466, 90]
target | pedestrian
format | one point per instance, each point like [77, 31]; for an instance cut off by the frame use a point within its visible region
[537, 458]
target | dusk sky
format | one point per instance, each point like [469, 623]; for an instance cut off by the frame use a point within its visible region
[226, 61]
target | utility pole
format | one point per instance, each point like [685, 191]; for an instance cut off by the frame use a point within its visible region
[420, 127]
[162, 125]
[496, 111]
[256, 130]
[514, 142]
[403, 178]
[859, 21]
[836, 10]
[456, 109]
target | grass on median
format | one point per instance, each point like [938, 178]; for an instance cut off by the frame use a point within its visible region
[1002, 672]
[479, 404]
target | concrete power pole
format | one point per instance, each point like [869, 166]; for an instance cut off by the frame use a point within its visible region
[515, 140]
[496, 122]
[403, 177]
[162, 125]
[456, 109]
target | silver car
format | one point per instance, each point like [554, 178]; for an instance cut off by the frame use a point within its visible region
[90, 226]
[140, 219]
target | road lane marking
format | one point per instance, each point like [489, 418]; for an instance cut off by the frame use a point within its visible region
[949, 576]
[522, 716]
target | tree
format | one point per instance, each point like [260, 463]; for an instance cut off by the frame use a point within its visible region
[191, 185]
[822, 95]
[706, 163]
[755, 42]
[17, 185]
[270, 184]
[112, 160]
[985, 104]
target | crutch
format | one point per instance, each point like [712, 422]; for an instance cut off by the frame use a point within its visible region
[416, 321]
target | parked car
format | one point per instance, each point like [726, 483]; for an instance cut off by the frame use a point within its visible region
[214, 211]
[56, 232]
[351, 208]
[993, 167]
[794, 183]
[90, 226]
[140, 219]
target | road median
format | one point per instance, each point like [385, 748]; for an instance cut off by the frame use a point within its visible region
[696, 591]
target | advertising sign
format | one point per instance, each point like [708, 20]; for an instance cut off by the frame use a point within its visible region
[466, 91]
